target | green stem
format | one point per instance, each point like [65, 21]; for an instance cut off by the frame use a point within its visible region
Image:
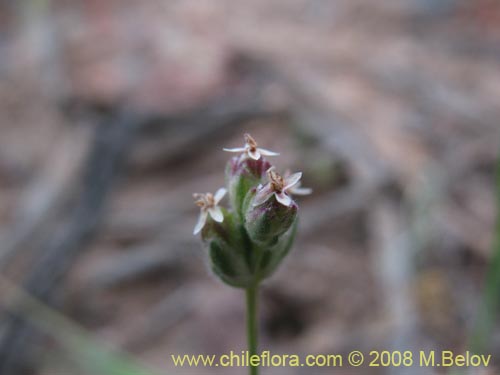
[252, 327]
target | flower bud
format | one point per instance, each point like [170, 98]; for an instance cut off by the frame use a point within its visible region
[227, 246]
[242, 174]
[266, 222]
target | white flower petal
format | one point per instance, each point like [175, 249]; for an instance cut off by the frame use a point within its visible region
[292, 180]
[284, 199]
[219, 194]
[300, 190]
[255, 155]
[201, 222]
[263, 195]
[216, 214]
[265, 152]
[236, 149]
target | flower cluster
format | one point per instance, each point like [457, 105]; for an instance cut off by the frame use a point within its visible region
[247, 242]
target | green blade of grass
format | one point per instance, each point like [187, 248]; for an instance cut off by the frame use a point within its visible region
[87, 352]
[481, 336]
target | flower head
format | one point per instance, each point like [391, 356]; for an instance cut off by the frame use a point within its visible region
[278, 186]
[250, 149]
[208, 204]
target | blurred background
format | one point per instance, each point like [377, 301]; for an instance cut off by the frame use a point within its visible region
[112, 113]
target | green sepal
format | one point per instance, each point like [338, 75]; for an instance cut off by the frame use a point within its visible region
[272, 257]
[242, 174]
[229, 251]
[229, 266]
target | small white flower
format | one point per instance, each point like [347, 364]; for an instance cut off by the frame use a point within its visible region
[277, 186]
[208, 204]
[251, 149]
[296, 189]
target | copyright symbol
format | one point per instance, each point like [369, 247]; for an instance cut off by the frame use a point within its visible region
[356, 358]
